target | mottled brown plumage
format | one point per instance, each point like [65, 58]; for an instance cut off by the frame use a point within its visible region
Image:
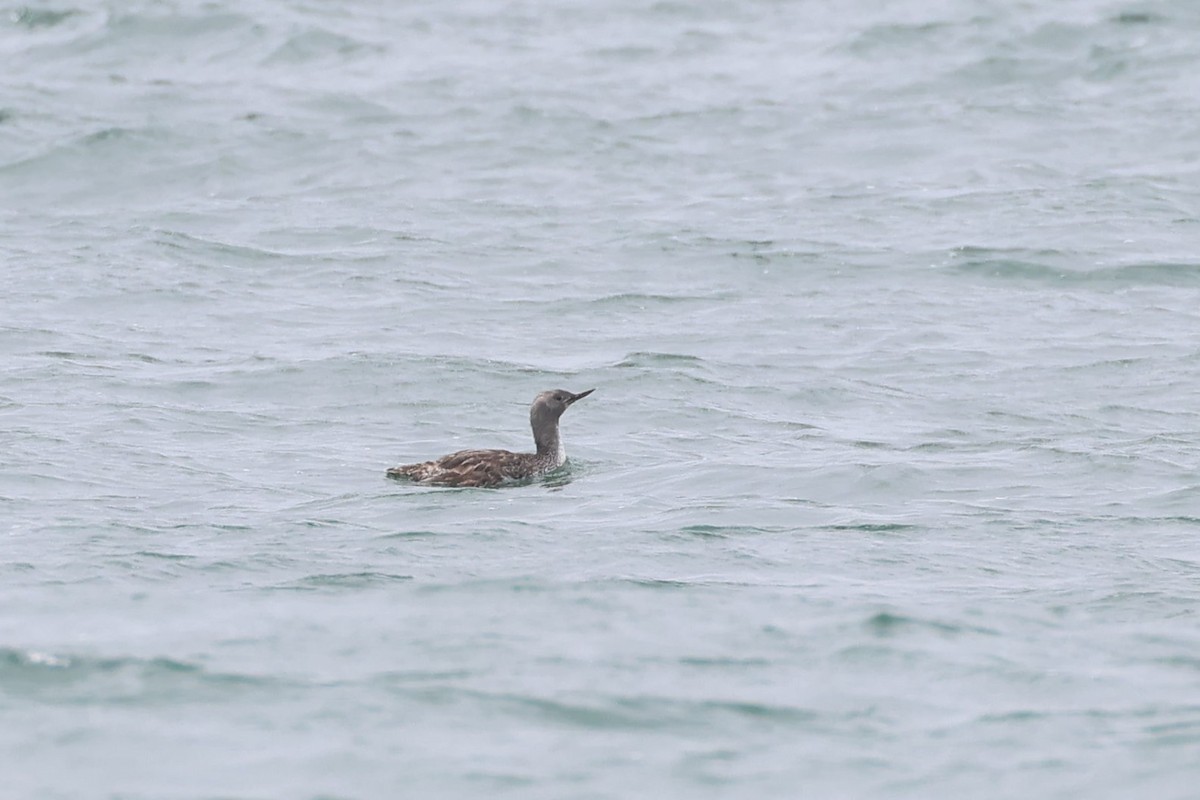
[498, 467]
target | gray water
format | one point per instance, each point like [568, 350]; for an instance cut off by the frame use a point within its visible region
[889, 486]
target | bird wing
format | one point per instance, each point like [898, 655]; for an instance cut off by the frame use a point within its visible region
[478, 467]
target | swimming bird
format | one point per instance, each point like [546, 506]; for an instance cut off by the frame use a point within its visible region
[497, 467]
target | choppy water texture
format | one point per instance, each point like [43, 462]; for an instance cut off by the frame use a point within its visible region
[889, 487]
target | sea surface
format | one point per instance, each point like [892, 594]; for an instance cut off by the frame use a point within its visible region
[889, 487]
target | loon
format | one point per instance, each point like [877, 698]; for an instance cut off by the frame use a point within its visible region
[498, 467]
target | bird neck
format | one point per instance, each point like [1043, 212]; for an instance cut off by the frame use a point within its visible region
[545, 436]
